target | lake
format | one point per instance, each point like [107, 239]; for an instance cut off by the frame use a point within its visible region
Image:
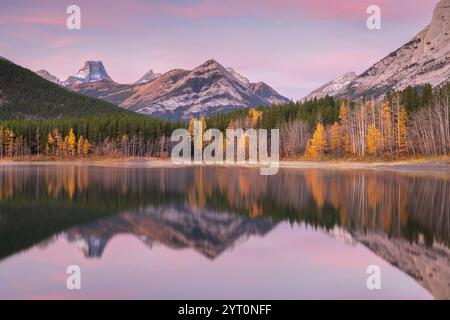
[225, 233]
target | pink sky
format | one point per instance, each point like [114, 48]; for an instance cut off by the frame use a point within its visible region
[304, 264]
[294, 45]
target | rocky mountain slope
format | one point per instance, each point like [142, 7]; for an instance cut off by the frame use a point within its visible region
[206, 90]
[424, 59]
[333, 87]
[178, 94]
[268, 93]
[48, 76]
[147, 77]
[430, 266]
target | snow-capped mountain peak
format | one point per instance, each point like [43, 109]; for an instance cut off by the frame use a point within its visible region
[147, 77]
[92, 71]
[178, 94]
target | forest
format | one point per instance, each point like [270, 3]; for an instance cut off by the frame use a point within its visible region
[411, 123]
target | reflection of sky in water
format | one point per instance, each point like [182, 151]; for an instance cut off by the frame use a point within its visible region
[289, 262]
[222, 233]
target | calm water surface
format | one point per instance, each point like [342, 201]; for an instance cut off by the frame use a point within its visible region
[222, 233]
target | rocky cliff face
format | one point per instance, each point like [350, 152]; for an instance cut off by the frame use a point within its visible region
[424, 59]
[92, 71]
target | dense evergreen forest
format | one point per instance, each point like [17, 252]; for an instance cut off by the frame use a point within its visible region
[38, 118]
[25, 95]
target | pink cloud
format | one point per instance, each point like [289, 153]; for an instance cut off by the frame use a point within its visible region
[34, 20]
[63, 42]
[317, 9]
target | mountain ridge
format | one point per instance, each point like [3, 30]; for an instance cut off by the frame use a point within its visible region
[179, 94]
[424, 59]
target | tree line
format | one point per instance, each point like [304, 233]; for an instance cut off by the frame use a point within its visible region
[127, 135]
[410, 123]
[389, 129]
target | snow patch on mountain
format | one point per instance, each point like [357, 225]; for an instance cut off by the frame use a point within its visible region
[92, 71]
[178, 94]
[205, 90]
[147, 77]
[333, 87]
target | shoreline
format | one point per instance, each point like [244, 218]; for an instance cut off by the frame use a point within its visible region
[440, 165]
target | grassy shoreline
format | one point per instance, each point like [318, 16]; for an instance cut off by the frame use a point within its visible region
[418, 164]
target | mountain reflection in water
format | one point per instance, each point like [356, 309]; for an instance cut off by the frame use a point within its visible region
[404, 218]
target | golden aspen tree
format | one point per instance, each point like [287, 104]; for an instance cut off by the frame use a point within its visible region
[200, 143]
[335, 138]
[401, 131]
[191, 125]
[317, 144]
[374, 140]
[255, 116]
[80, 146]
[86, 147]
[345, 129]
[71, 142]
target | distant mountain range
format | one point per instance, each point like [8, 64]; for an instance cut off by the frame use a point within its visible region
[178, 94]
[210, 88]
[424, 59]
